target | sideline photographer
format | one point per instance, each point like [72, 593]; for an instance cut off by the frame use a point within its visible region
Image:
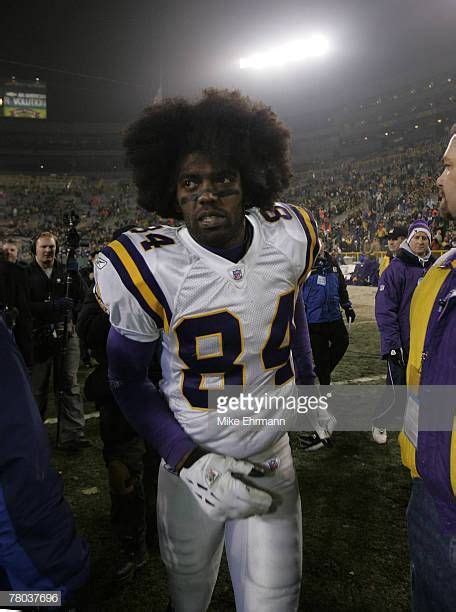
[57, 292]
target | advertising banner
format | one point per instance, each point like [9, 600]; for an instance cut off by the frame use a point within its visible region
[25, 100]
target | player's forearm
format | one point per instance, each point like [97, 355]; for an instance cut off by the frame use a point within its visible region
[139, 400]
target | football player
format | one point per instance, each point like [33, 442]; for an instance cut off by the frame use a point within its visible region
[219, 294]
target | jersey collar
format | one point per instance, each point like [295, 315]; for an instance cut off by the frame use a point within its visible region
[236, 273]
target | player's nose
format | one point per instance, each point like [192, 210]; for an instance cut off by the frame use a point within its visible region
[207, 193]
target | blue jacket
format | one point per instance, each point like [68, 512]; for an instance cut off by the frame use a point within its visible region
[392, 301]
[325, 291]
[39, 548]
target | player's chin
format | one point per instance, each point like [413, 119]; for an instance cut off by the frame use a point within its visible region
[214, 236]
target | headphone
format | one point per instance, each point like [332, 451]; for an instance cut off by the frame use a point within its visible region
[48, 234]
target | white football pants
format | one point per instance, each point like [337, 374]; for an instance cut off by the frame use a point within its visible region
[264, 552]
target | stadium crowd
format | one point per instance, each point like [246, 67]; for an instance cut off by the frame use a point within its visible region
[358, 201]
[355, 202]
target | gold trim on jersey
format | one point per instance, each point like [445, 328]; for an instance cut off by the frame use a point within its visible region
[205, 386]
[97, 294]
[235, 362]
[139, 282]
[217, 335]
[313, 242]
[282, 344]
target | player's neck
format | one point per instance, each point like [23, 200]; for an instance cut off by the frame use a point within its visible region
[237, 252]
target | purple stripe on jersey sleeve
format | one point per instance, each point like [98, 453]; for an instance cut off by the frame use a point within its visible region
[301, 347]
[130, 285]
[146, 273]
[143, 406]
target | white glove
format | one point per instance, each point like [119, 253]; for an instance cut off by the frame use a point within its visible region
[214, 481]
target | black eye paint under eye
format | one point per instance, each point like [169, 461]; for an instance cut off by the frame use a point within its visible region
[229, 191]
[221, 193]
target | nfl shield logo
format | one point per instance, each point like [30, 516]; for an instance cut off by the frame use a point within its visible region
[237, 274]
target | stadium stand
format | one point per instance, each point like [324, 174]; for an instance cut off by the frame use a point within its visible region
[362, 168]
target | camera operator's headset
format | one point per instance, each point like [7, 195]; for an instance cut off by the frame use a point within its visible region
[47, 234]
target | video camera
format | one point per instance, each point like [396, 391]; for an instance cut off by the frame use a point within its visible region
[72, 237]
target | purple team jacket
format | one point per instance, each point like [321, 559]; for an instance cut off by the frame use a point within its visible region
[392, 301]
[439, 368]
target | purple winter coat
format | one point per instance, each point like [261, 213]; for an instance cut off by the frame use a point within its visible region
[439, 368]
[392, 300]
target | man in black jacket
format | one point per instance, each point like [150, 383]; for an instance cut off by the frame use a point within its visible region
[123, 451]
[53, 350]
[15, 305]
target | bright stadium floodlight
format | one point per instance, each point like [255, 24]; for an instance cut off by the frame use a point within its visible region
[315, 45]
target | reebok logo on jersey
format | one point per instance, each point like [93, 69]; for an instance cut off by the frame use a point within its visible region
[100, 262]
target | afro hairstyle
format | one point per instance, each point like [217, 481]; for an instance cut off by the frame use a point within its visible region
[223, 125]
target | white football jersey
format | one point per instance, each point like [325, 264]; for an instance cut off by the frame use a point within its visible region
[223, 323]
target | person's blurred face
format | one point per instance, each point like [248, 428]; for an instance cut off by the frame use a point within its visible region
[45, 251]
[10, 252]
[395, 243]
[447, 181]
[419, 244]
[210, 197]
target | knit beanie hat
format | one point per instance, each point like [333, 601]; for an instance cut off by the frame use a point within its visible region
[418, 226]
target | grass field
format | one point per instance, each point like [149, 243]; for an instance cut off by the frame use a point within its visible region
[354, 498]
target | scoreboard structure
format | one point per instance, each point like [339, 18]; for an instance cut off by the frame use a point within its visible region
[24, 99]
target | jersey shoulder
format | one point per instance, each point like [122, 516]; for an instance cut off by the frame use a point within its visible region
[143, 266]
[292, 230]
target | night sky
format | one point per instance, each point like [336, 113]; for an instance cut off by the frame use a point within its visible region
[377, 45]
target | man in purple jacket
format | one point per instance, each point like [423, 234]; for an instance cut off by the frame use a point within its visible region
[431, 455]
[392, 306]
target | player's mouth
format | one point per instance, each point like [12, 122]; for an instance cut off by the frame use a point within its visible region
[211, 220]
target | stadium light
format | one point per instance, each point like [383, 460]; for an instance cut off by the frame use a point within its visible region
[315, 45]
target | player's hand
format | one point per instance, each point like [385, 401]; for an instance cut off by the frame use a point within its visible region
[350, 314]
[396, 355]
[63, 304]
[215, 482]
